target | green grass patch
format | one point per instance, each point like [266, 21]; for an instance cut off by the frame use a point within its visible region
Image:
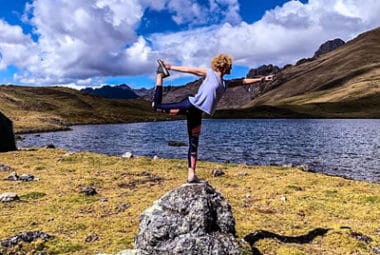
[32, 195]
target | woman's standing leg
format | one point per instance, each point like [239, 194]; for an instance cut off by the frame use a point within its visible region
[194, 124]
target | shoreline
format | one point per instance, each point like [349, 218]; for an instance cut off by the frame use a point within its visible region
[68, 127]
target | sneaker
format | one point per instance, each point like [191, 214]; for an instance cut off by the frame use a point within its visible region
[162, 69]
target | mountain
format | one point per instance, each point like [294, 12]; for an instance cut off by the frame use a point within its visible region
[122, 91]
[342, 83]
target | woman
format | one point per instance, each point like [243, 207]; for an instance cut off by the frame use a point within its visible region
[206, 99]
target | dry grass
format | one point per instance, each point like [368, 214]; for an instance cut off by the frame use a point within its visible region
[54, 205]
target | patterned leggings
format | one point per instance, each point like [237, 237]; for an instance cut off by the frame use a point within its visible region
[194, 121]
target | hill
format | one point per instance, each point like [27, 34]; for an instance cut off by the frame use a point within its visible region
[35, 109]
[344, 83]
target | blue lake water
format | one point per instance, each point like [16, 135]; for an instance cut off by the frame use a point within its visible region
[343, 147]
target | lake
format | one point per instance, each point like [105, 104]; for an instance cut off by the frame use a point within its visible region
[343, 147]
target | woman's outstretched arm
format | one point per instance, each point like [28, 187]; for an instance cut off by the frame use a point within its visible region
[187, 69]
[247, 81]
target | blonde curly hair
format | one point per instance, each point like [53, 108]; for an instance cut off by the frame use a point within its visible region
[221, 62]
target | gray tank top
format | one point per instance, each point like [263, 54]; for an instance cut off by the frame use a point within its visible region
[209, 93]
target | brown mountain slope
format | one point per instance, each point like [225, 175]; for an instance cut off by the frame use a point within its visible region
[52, 108]
[345, 76]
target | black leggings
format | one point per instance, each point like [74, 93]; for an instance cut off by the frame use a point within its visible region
[194, 121]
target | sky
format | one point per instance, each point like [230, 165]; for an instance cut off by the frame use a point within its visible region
[81, 43]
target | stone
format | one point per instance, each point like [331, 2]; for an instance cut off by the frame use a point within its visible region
[125, 252]
[127, 155]
[24, 177]
[92, 238]
[9, 197]
[7, 138]
[176, 143]
[50, 146]
[191, 219]
[89, 191]
[122, 207]
[329, 46]
[242, 174]
[217, 172]
[25, 237]
[27, 178]
[262, 71]
[5, 168]
[12, 177]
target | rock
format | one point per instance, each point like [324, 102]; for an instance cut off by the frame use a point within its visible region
[156, 157]
[304, 168]
[127, 155]
[329, 46]
[122, 207]
[50, 146]
[191, 219]
[217, 172]
[125, 252]
[26, 237]
[376, 250]
[9, 197]
[263, 70]
[361, 237]
[176, 143]
[7, 138]
[92, 238]
[12, 177]
[89, 191]
[24, 177]
[5, 168]
[27, 178]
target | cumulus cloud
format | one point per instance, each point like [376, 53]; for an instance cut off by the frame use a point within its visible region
[284, 35]
[80, 42]
[16, 48]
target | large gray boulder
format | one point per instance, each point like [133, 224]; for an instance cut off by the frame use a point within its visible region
[7, 138]
[191, 219]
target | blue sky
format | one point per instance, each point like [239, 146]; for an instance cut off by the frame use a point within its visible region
[89, 43]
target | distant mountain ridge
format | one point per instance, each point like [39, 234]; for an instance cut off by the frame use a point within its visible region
[122, 91]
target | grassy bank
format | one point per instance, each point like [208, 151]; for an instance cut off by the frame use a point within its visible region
[128, 186]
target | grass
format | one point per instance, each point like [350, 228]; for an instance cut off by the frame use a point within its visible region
[128, 186]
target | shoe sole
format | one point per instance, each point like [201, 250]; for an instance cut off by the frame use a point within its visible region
[165, 72]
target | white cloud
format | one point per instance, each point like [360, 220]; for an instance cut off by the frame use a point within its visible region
[284, 35]
[16, 48]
